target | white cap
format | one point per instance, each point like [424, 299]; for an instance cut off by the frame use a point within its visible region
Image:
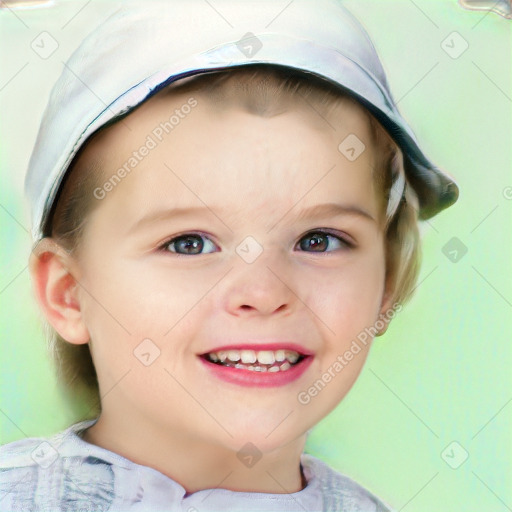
[148, 44]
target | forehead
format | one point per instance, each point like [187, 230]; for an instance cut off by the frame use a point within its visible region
[206, 152]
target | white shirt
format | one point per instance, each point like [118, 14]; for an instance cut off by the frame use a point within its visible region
[66, 473]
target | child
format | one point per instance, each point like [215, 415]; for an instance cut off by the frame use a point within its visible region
[223, 200]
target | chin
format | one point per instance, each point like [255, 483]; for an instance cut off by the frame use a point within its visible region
[262, 440]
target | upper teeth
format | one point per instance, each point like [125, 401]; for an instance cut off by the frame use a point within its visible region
[251, 356]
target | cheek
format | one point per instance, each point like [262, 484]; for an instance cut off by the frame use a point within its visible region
[145, 300]
[126, 305]
[348, 298]
[135, 303]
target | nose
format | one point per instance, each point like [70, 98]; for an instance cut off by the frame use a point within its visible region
[260, 288]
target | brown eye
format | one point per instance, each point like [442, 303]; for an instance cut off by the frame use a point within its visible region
[319, 241]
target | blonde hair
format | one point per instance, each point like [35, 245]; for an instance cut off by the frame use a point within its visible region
[260, 89]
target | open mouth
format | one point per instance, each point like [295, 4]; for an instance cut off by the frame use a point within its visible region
[257, 361]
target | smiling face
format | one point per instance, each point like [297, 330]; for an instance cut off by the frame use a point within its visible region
[233, 231]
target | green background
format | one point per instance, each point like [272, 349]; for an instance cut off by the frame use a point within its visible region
[441, 373]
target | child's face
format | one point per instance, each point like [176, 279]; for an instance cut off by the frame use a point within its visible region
[252, 177]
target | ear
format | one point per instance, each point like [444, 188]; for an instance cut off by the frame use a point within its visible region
[56, 290]
[386, 307]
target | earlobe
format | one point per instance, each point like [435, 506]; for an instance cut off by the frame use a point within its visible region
[56, 289]
[384, 316]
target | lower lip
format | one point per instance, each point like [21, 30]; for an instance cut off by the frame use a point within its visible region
[252, 378]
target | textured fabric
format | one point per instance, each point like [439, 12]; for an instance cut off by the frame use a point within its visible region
[65, 473]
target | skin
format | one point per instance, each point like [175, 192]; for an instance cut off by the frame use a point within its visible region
[256, 175]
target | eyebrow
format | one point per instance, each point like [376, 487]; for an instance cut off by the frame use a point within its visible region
[334, 210]
[317, 211]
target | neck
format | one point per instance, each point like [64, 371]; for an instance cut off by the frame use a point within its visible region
[198, 464]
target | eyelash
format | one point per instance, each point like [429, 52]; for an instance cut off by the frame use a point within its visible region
[348, 245]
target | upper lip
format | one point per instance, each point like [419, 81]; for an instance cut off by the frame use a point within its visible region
[257, 346]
